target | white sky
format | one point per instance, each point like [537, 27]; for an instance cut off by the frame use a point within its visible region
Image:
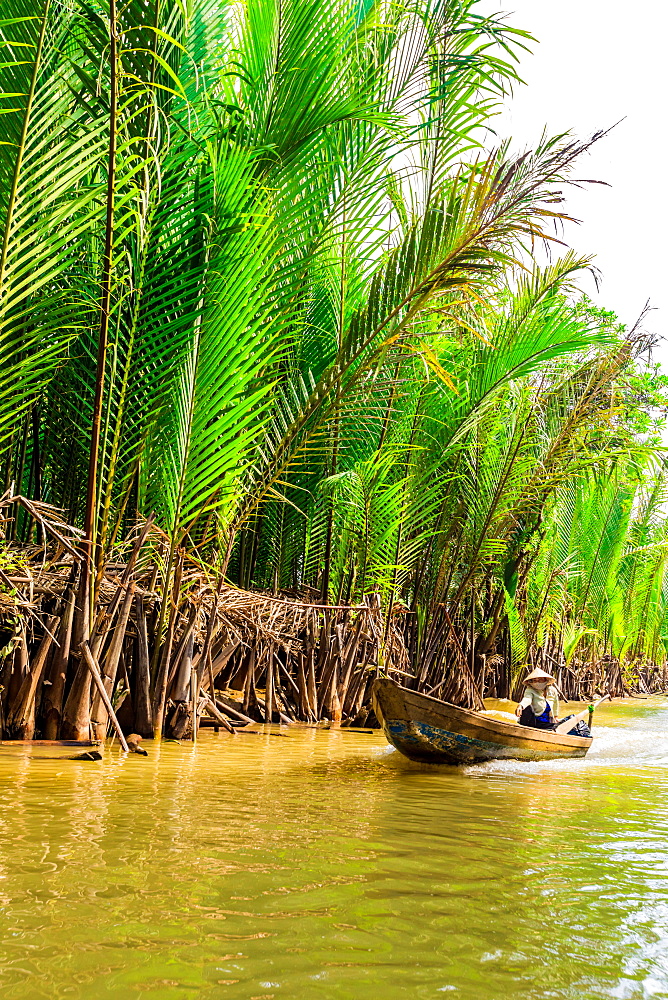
[596, 62]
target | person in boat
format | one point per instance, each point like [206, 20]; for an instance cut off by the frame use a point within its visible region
[539, 706]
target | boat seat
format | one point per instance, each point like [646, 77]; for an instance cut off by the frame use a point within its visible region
[496, 713]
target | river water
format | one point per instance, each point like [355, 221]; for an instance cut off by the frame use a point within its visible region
[321, 865]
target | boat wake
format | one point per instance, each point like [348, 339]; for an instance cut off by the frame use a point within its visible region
[640, 745]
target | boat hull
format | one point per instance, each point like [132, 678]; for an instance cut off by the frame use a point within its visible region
[434, 732]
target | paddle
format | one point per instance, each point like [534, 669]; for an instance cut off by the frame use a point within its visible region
[567, 725]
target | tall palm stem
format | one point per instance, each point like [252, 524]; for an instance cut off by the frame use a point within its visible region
[103, 336]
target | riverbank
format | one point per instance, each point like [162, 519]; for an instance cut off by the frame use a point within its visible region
[167, 661]
[320, 865]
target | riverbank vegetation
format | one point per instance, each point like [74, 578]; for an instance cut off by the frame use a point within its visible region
[286, 397]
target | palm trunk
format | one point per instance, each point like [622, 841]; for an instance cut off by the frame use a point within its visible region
[76, 717]
[52, 699]
[20, 722]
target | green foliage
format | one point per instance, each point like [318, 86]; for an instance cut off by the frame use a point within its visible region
[329, 368]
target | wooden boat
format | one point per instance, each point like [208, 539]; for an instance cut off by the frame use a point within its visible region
[434, 732]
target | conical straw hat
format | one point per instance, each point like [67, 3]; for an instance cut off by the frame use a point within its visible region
[538, 675]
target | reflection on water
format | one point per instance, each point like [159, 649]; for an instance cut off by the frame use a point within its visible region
[324, 866]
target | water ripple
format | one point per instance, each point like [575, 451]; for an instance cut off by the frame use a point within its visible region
[327, 867]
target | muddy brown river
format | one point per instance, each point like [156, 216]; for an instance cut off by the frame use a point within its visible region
[321, 865]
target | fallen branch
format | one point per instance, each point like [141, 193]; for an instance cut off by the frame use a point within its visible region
[97, 680]
[218, 716]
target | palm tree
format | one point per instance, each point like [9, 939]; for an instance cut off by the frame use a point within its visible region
[262, 281]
